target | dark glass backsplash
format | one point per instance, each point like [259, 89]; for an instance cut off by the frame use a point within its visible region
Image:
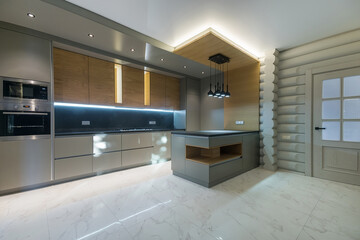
[70, 119]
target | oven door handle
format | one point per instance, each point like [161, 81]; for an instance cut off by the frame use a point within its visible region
[25, 113]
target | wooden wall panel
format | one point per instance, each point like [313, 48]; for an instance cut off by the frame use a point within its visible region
[101, 82]
[157, 90]
[133, 87]
[172, 99]
[243, 105]
[71, 81]
[212, 43]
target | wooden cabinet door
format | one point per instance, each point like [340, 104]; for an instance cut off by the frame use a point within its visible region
[101, 82]
[157, 90]
[71, 77]
[132, 87]
[172, 86]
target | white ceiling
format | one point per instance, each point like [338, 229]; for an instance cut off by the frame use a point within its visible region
[256, 25]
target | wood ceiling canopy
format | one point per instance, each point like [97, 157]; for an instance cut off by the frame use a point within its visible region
[208, 44]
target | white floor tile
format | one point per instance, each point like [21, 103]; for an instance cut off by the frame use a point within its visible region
[150, 203]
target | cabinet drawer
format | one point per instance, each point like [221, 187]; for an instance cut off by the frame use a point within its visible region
[70, 167]
[136, 140]
[137, 156]
[226, 170]
[73, 146]
[106, 161]
[106, 143]
[162, 145]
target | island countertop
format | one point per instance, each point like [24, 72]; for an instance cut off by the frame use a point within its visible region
[211, 133]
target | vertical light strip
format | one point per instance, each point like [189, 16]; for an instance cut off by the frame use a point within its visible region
[118, 83]
[146, 88]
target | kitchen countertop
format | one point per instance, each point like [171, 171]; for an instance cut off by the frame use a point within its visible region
[211, 133]
[114, 131]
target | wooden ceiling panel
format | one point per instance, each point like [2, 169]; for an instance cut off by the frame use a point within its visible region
[202, 48]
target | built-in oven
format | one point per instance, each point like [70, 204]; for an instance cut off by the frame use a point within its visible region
[16, 123]
[25, 109]
[23, 89]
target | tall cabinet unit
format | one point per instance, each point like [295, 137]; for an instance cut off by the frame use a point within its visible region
[24, 161]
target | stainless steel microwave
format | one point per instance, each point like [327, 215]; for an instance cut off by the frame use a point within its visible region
[22, 89]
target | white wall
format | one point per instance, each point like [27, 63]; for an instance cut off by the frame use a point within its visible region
[290, 88]
[268, 97]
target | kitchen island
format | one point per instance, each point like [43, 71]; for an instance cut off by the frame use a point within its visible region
[211, 157]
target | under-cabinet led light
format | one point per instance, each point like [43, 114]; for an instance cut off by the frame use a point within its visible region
[109, 107]
[91, 35]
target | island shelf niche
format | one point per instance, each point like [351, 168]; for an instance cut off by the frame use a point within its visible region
[215, 155]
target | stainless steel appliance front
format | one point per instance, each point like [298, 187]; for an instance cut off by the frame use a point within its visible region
[24, 90]
[24, 109]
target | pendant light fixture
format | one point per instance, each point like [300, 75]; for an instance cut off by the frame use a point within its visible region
[227, 94]
[219, 85]
[210, 92]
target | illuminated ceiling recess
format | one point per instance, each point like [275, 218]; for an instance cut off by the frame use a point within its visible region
[209, 43]
[218, 35]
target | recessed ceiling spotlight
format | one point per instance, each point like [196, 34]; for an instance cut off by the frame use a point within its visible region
[161, 59]
[91, 35]
[184, 66]
[30, 15]
[202, 72]
[132, 49]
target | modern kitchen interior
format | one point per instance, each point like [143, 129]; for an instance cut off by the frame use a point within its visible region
[122, 120]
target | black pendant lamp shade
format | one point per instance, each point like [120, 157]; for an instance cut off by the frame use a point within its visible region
[219, 84]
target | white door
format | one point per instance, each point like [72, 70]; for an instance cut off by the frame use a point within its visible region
[336, 122]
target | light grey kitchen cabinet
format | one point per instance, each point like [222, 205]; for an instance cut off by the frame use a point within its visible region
[74, 166]
[106, 143]
[178, 154]
[24, 56]
[136, 140]
[251, 151]
[73, 156]
[162, 146]
[107, 161]
[136, 157]
[73, 146]
[24, 163]
[107, 152]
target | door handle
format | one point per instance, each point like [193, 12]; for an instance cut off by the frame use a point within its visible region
[319, 128]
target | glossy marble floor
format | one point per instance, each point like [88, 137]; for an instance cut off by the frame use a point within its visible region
[150, 203]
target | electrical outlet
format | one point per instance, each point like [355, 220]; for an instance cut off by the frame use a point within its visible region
[85, 123]
[239, 122]
[152, 122]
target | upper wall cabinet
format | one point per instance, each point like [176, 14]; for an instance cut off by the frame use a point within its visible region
[71, 77]
[164, 92]
[157, 90]
[101, 82]
[82, 79]
[172, 86]
[132, 87]
[24, 56]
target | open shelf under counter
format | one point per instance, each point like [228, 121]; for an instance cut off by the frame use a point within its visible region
[216, 160]
[214, 155]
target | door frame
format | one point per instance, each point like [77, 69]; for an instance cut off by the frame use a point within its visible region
[309, 93]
